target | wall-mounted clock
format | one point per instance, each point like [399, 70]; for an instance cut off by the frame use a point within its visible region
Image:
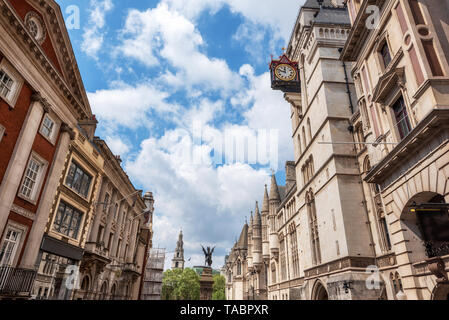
[285, 72]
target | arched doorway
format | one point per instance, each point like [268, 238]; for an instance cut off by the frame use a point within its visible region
[320, 292]
[104, 291]
[113, 292]
[85, 287]
[425, 229]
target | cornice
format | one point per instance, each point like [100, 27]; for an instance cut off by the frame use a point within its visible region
[15, 24]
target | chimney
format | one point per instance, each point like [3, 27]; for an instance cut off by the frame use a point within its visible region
[290, 174]
[118, 158]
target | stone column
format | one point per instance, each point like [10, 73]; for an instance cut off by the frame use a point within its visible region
[125, 237]
[110, 219]
[19, 159]
[132, 241]
[48, 196]
[117, 229]
[98, 210]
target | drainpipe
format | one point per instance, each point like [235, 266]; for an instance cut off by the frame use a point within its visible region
[348, 91]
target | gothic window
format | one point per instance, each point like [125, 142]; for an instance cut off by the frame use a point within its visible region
[397, 283]
[299, 145]
[309, 129]
[313, 225]
[273, 273]
[401, 118]
[239, 268]
[384, 231]
[283, 259]
[304, 140]
[294, 250]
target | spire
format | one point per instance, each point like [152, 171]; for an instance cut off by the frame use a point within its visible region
[243, 239]
[266, 202]
[274, 191]
[258, 219]
[178, 258]
[252, 220]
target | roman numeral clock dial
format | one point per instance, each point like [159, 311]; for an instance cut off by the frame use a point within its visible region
[285, 72]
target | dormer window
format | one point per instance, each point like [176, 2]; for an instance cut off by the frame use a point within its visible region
[35, 26]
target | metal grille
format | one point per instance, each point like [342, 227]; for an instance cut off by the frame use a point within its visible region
[14, 281]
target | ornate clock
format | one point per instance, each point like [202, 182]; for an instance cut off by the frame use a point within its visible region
[285, 75]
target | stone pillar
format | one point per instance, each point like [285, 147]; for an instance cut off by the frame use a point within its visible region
[110, 219]
[19, 159]
[117, 230]
[48, 196]
[132, 241]
[206, 284]
[98, 210]
[125, 237]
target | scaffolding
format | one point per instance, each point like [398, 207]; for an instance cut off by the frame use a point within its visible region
[154, 270]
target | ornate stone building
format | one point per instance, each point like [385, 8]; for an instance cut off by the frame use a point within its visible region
[119, 239]
[401, 72]
[42, 99]
[367, 217]
[178, 257]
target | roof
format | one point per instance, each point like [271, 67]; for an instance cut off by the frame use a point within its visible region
[243, 240]
[330, 15]
[313, 4]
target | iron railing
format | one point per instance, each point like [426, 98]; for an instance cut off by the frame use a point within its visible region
[16, 281]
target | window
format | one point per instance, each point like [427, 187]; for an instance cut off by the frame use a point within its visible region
[401, 117]
[68, 220]
[100, 234]
[118, 248]
[239, 268]
[5, 84]
[2, 132]
[111, 238]
[9, 246]
[385, 234]
[32, 178]
[385, 54]
[314, 234]
[294, 250]
[78, 180]
[283, 259]
[273, 273]
[48, 128]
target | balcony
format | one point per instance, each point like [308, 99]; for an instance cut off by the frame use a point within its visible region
[16, 282]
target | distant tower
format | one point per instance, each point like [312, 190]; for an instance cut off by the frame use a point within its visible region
[178, 259]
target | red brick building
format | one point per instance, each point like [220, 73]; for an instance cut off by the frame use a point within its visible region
[42, 99]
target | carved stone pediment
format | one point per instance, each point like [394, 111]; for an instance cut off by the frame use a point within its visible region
[389, 81]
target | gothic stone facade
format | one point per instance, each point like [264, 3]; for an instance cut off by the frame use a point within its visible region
[370, 137]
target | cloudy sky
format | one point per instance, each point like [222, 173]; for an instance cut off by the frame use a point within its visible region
[157, 69]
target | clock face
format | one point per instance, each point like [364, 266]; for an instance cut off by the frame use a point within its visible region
[285, 72]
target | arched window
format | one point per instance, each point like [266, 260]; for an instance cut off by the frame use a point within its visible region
[104, 291]
[304, 139]
[113, 292]
[314, 232]
[239, 268]
[309, 130]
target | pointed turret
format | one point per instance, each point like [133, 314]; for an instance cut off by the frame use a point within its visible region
[274, 190]
[257, 217]
[266, 202]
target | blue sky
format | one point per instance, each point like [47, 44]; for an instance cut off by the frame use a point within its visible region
[153, 69]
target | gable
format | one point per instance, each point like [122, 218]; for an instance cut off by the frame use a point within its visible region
[57, 45]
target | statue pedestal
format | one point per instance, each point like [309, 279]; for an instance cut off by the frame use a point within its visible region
[206, 284]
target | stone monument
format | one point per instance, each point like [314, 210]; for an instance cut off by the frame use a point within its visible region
[206, 279]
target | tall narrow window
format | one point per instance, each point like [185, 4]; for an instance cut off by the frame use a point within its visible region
[385, 234]
[401, 117]
[385, 54]
[304, 139]
[309, 129]
[273, 273]
[283, 259]
[32, 179]
[48, 127]
[5, 84]
[9, 247]
[314, 233]
[239, 268]
[294, 250]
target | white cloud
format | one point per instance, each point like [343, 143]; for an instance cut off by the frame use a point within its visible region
[161, 35]
[117, 145]
[128, 106]
[93, 36]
